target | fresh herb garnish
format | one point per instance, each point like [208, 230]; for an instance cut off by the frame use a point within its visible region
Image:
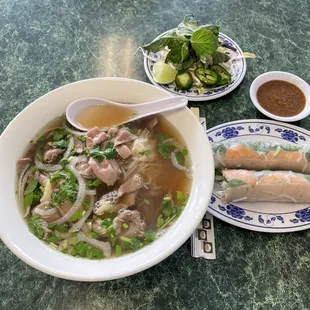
[108, 153]
[95, 183]
[28, 200]
[35, 226]
[59, 134]
[42, 140]
[76, 216]
[235, 183]
[165, 149]
[150, 236]
[31, 186]
[62, 144]
[146, 152]
[93, 234]
[81, 138]
[64, 162]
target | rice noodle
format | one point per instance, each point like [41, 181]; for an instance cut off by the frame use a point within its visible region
[105, 247]
[175, 162]
[78, 225]
[80, 195]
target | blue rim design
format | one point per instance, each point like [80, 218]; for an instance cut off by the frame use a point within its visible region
[237, 213]
[208, 94]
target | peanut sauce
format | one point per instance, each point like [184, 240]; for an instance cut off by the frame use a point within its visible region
[281, 98]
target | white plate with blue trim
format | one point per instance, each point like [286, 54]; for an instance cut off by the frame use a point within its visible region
[260, 216]
[237, 72]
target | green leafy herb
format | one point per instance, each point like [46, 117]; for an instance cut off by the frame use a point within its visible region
[37, 194]
[180, 158]
[204, 42]
[95, 183]
[162, 137]
[218, 172]
[53, 239]
[31, 186]
[146, 201]
[40, 156]
[66, 192]
[235, 183]
[188, 62]
[93, 234]
[182, 198]
[35, 226]
[94, 253]
[150, 236]
[218, 57]
[62, 144]
[28, 200]
[109, 153]
[160, 221]
[61, 228]
[82, 139]
[308, 156]
[291, 148]
[136, 244]
[107, 222]
[42, 140]
[165, 149]
[118, 250]
[131, 131]
[64, 162]
[167, 207]
[76, 216]
[146, 152]
[59, 134]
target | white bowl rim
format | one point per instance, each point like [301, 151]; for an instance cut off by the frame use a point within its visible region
[288, 77]
[198, 201]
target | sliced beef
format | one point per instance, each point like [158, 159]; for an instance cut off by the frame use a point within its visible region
[103, 171]
[123, 151]
[78, 145]
[133, 184]
[94, 136]
[51, 156]
[85, 170]
[124, 136]
[134, 220]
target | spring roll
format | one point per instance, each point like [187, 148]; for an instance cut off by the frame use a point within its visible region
[276, 186]
[262, 156]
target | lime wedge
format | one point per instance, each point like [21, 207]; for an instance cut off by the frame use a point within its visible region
[163, 73]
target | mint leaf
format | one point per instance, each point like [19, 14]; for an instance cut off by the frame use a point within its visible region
[179, 51]
[214, 28]
[204, 42]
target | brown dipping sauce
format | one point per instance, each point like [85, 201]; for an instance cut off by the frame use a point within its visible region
[281, 98]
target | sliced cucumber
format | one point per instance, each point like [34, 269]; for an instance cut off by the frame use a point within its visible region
[184, 80]
[225, 76]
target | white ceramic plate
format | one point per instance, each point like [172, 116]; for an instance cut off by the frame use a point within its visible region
[13, 229]
[237, 71]
[260, 216]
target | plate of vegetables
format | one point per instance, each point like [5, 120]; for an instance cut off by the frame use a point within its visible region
[197, 61]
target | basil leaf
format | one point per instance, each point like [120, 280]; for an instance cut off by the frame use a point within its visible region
[204, 42]
[31, 186]
[218, 57]
[214, 28]
[178, 52]
[235, 183]
[188, 62]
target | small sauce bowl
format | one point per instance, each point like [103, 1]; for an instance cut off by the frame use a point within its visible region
[282, 76]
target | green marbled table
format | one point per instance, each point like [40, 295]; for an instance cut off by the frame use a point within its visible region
[48, 43]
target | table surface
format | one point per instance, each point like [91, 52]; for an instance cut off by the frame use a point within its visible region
[49, 43]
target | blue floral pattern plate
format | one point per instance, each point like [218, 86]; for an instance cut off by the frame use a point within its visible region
[260, 216]
[237, 71]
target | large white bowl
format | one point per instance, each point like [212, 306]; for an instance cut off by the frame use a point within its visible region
[13, 229]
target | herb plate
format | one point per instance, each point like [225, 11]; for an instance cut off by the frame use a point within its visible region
[237, 72]
[260, 216]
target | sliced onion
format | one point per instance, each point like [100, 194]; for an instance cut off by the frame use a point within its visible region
[105, 247]
[175, 162]
[26, 212]
[80, 195]
[46, 167]
[46, 212]
[70, 148]
[74, 132]
[21, 186]
[44, 225]
[78, 225]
